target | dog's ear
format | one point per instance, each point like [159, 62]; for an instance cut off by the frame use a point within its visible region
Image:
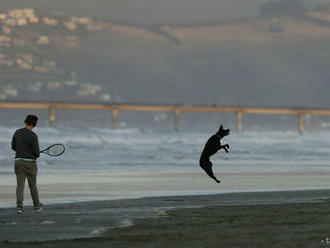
[220, 129]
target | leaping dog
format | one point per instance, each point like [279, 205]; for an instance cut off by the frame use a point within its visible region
[212, 146]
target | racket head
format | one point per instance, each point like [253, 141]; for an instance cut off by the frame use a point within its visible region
[55, 150]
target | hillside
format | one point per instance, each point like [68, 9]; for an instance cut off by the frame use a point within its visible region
[54, 56]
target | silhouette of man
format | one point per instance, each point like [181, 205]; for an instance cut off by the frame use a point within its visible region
[25, 144]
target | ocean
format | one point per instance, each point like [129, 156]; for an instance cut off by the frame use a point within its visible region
[103, 164]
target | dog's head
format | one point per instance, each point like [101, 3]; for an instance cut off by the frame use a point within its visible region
[223, 132]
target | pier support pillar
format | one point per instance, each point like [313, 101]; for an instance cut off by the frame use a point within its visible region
[177, 113]
[115, 113]
[301, 122]
[239, 121]
[52, 112]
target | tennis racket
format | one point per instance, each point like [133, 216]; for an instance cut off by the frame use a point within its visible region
[54, 150]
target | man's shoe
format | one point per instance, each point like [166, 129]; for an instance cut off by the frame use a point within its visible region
[19, 210]
[39, 208]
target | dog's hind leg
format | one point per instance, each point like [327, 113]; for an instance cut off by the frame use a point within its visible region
[207, 167]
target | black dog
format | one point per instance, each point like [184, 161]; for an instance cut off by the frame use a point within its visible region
[211, 147]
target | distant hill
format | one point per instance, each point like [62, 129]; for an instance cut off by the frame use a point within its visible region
[147, 12]
[269, 58]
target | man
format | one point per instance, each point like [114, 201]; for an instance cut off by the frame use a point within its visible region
[212, 146]
[25, 144]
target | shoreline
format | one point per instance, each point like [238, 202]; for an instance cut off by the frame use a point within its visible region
[87, 200]
[146, 185]
[96, 219]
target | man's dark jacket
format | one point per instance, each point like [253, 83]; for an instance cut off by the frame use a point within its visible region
[25, 144]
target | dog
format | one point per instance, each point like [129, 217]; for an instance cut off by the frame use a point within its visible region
[212, 146]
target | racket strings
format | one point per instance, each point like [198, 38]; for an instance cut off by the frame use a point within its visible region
[56, 150]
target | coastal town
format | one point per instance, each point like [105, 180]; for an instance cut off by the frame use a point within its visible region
[15, 19]
[26, 38]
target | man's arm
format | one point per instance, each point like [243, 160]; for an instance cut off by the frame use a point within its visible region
[36, 149]
[13, 143]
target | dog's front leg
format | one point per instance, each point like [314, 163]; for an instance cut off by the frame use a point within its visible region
[225, 147]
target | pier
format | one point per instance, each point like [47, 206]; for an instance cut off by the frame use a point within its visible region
[176, 110]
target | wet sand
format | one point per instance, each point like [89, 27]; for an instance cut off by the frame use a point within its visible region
[107, 186]
[255, 219]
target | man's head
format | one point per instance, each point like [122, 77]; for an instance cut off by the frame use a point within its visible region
[31, 121]
[223, 132]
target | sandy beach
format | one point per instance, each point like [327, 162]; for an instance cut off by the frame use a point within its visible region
[252, 219]
[64, 189]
